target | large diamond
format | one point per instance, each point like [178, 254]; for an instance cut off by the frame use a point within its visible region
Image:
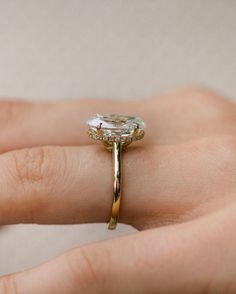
[116, 128]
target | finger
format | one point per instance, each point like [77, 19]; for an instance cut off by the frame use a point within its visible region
[25, 124]
[195, 257]
[180, 116]
[74, 184]
[188, 113]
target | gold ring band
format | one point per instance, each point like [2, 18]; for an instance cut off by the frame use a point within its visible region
[117, 184]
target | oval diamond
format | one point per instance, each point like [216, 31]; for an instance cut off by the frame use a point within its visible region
[116, 128]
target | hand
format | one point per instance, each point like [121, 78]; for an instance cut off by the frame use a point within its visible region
[182, 174]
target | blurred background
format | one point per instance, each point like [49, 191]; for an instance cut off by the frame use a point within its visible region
[126, 49]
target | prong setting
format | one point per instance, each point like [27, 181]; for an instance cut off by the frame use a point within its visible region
[111, 128]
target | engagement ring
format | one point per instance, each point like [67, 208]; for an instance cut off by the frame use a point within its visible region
[116, 132]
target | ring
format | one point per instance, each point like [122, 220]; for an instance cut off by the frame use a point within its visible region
[116, 132]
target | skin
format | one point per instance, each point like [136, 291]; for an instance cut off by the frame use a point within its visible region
[179, 191]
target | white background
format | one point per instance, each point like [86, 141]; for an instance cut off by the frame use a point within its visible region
[52, 49]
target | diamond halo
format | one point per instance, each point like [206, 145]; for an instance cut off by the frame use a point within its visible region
[110, 128]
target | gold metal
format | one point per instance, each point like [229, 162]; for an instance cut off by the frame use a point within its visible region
[117, 184]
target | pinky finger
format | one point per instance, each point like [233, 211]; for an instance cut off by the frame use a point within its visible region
[194, 257]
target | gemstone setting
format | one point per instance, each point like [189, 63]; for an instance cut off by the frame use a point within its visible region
[110, 128]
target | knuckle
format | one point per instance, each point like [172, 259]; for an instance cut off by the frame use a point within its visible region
[30, 165]
[8, 285]
[38, 165]
[89, 266]
[85, 268]
[35, 174]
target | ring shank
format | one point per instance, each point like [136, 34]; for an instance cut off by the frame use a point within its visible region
[117, 182]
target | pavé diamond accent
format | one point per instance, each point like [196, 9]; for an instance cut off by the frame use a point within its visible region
[116, 128]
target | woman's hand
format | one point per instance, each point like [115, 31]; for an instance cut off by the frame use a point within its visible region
[182, 174]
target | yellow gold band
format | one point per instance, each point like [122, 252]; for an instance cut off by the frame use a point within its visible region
[117, 182]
